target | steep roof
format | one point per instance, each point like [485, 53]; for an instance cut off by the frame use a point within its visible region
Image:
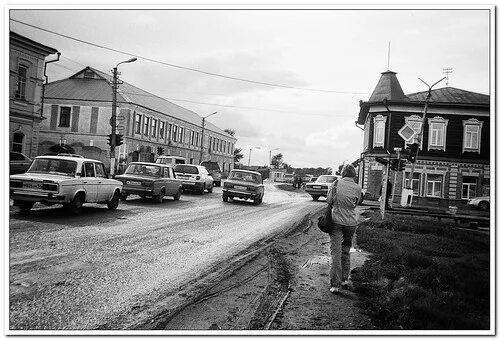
[31, 44]
[451, 95]
[99, 89]
[388, 87]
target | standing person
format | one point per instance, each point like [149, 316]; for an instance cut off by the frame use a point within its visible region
[343, 197]
[299, 182]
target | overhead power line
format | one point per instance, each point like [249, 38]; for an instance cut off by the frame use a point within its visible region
[184, 67]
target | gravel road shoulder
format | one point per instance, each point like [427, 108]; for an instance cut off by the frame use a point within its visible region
[290, 278]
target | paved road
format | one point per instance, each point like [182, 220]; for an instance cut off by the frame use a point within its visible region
[99, 269]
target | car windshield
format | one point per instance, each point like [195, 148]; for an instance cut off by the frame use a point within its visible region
[53, 166]
[186, 169]
[143, 170]
[245, 177]
[326, 179]
[211, 166]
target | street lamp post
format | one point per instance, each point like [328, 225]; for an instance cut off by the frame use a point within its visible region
[203, 134]
[250, 153]
[112, 155]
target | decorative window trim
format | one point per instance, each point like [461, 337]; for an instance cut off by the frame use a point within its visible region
[418, 119]
[419, 181]
[138, 123]
[472, 122]
[147, 126]
[154, 128]
[426, 188]
[437, 120]
[65, 113]
[379, 119]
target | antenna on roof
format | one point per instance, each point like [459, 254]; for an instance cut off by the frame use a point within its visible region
[447, 71]
[389, 56]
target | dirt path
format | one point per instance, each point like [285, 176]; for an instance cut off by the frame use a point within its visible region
[290, 277]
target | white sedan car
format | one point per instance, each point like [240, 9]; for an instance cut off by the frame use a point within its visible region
[481, 203]
[71, 181]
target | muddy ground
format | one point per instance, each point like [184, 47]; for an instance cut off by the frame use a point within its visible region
[284, 287]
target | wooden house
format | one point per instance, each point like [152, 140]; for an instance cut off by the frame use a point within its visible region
[453, 163]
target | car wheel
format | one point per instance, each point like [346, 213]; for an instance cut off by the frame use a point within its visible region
[484, 206]
[211, 189]
[159, 198]
[115, 200]
[177, 196]
[315, 197]
[24, 206]
[224, 198]
[123, 197]
[76, 204]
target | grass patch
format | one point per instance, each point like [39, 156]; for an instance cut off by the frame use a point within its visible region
[423, 275]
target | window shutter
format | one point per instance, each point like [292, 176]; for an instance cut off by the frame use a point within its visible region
[75, 119]
[53, 117]
[94, 115]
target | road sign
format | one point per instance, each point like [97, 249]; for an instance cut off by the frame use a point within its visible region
[407, 132]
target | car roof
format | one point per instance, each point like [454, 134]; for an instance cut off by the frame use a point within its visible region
[68, 158]
[247, 171]
[150, 163]
[195, 165]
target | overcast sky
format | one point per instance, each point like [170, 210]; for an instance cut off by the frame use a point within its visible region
[343, 51]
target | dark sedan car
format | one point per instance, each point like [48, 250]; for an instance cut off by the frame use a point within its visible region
[150, 180]
[19, 163]
[243, 184]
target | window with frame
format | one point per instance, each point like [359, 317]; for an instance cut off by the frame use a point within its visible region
[197, 139]
[154, 123]
[99, 170]
[472, 135]
[379, 131]
[17, 142]
[437, 133]
[146, 125]
[162, 129]
[415, 183]
[469, 187]
[181, 134]
[138, 121]
[169, 131]
[415, 122]
[22, 76]
[174, 133]
[434, 185]
[64, 116]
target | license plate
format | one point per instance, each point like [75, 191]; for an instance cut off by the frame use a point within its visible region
[133, 183]
[32, 185]
[316, 187]
[240, 187]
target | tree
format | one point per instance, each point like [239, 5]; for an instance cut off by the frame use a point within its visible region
[230, 131]
[237, 155]
[277, 161]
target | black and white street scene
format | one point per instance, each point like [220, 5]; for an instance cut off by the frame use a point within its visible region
[225, 170]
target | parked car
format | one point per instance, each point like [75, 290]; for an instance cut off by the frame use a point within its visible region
[481, 203]
[313, 179]
[289, 178]
[214, 171]
[194, 177]
[243, 184]
[171, 160]
[71, 181]
[150, 180]
[320, 187]
[19, 163]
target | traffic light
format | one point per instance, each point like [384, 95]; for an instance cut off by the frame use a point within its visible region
[401, 165]
[411, 152]
[394, 164]
[160, 151]
[110, 139]
[118, 140]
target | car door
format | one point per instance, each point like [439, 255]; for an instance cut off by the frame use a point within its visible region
[104, 187]
[90, 182]
[165, 176]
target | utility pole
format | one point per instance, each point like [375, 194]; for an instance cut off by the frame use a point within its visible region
[203, 134]
[421, 133]
[447, 71]
[398, 151]
[112, 145]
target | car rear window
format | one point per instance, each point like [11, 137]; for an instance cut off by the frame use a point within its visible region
[211, 166]
[245, 177]
[53, 166]
[186, 169]
[143, 170]
[326, 179]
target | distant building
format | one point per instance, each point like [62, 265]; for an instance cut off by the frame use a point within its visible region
[453, 162]
[78, 114]
[26, 76]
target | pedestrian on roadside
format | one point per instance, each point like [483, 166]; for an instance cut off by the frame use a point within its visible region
[343, 196]
[299, 182]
